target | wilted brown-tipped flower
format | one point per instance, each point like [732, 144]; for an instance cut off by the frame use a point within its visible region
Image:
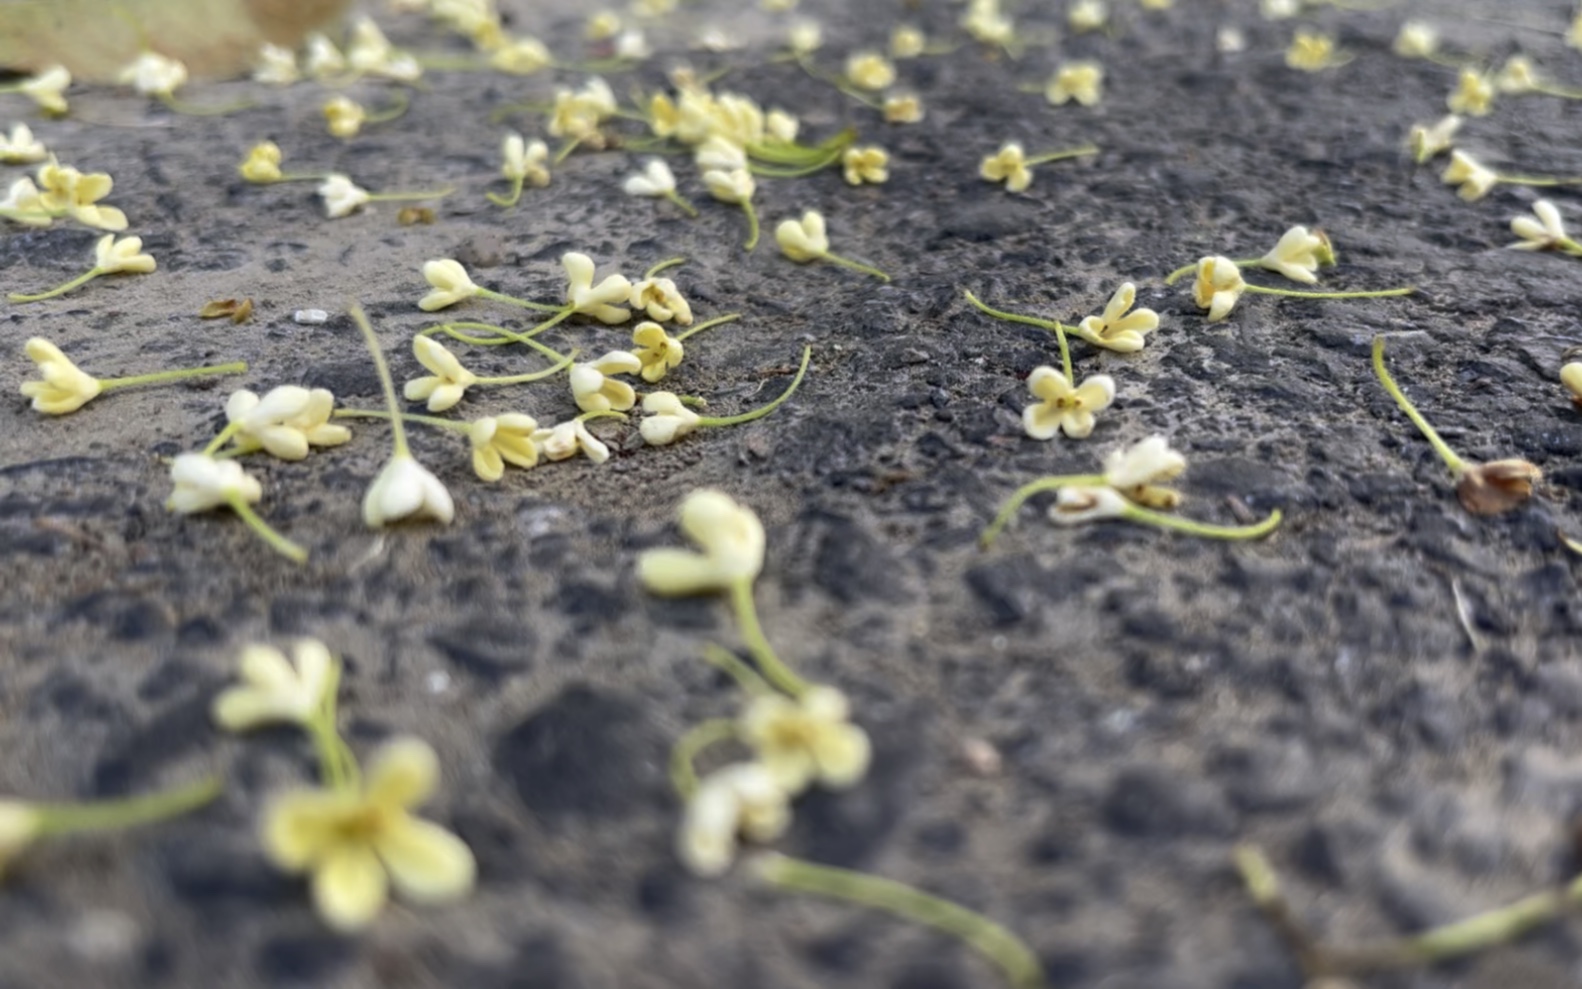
[1497, 487]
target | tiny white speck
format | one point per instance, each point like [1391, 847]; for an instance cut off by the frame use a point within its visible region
[437, 682]
[313, 316]
[998, 643]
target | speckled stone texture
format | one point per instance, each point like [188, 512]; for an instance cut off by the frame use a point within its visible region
[1154, 699]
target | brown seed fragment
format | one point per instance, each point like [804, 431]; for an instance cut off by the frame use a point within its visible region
[1496, 487]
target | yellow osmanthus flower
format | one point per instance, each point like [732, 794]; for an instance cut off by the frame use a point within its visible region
[594, 388]
[783, 126]
[65, 190]
[275, 66]
[20, 825]
[733, 545]
[1312, 51]
[1543, 231]
[907, 41]
[601, 301]
[1080, 503]
[578, 114]
[20, 147]
[24, 204]
[1080, 82]
[1119, 328]
[1296, 255]
[502, 439]
[153, 74]
[1063, 407]
[521, 56]
[1517, 76]
[1088, 15]
[658, 351]
[661, 300]
[1218, 286]
[1138, 471]
[1428, 140]
[369, 52]
[870, 70]
[321, 58]
[111, 257]
[286, 422]
[806, 740]
[262, 164]
[805, 240]
[1473, 95]
[342, 196]
[742, 799]
[1008, 165]
[358, 843]
[903, 108]
[985, 22]
[1416, 39]
[1474, 179]
[405, 489]
[1571, 377]
[602, 26]
[667, 418]
[866, 164]
[47, 89]
[200, 483]
[277, 690]
[567, 439]
[449, 284]
[65, 388]
[525, 161]
[345, 117]
[448, 382]
[805, 37]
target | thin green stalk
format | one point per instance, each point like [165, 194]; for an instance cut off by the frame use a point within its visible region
[566, 150]
[280, 544]
[1004, 949]
[761, 411]
[194, 110]
[752, 224]
[337, 765]
[708, 324]
[1295, 294]
[682, 203]
[664, 265]
[1086, 149]
[683, 775]
[435, 421]
[1026, 491]
[453, 330]
[515, 197]
[159, 377]
[1537, 180]
[397, 430]
[1456, 465]
[775, 671]
[816, 165]
[1052, 325]
[403, 102]
[230, 430]
[399, 197]
[745, 676]
[522, 379]
[513, 300]
[104, 815]
[58, 290]
[1161, 520]
[856, 266]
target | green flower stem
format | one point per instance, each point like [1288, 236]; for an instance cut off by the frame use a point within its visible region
[485, 293]
[296, 178]
[22, 214]
[435, 421]
[453, 63]
[1008, 952]
[745, 676]
[775, 671]
[401, 197]
[1295, 294]
[1536, 180]
[511, 109]
[280, 544]
[1052, 325]
[1185, 270]
[708, 324]
[1161, 520]
[1500, 926]
[395, 111]
[566, 150]
[855, 266]
[1026, 491]
[1561, 92]
[397, 430]
[160, 377]
[682, 203]
[752, 224]
[561, 315]
[453, 330]
[506, 202]
[777, 152]
[522, 379]
[231, 429]
[1086, 149]
[194, 110]
[58, 290]
[814, 165]
[664, 265]
[1456, 465]
[337, 765]
[602, 414]
[683, 776]
[109, 815]
[761, 411]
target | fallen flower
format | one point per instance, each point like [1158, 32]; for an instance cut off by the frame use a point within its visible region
[806, 739]
[1063, 407]
[732, 540]
[277, 690]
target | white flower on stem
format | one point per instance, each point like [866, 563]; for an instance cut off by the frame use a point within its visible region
[600, 301]
[1517, 76]
[153, 74]
[658, 350]
[903, 108]
[1474, 179]
[449, 282]
[782, 126]
[498, 440]
[1571, 377]
[1088, 15]
[368, 49]
[803, 240]
[632, 45]
[406, 489]
[668, 419]
[521, 57]
[732, 539]
[566, 440]
[321, 58]
[275, 66]
[739, 800]
[1416, 39]
[720, 154]
[867, 164]
[595, 391]
[806, 740]
[525, 161]
[203, 483]
[656, 179]
[870, 70]
[65, 388]
[275, 689]
[1295, 255]
[449, 382]
[1218, 286]
[662, 301]
[1080, 82]
[1426, 141]
[124, 255]
[1008, 165]
[1473, 95]
[1119, 328]
[268, 423]
[341, 195]
[1063, 407]
[48, 89]
[20, 147]
[1543, 231]
[1076, 505]
[1137, 470]
[25, 205]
